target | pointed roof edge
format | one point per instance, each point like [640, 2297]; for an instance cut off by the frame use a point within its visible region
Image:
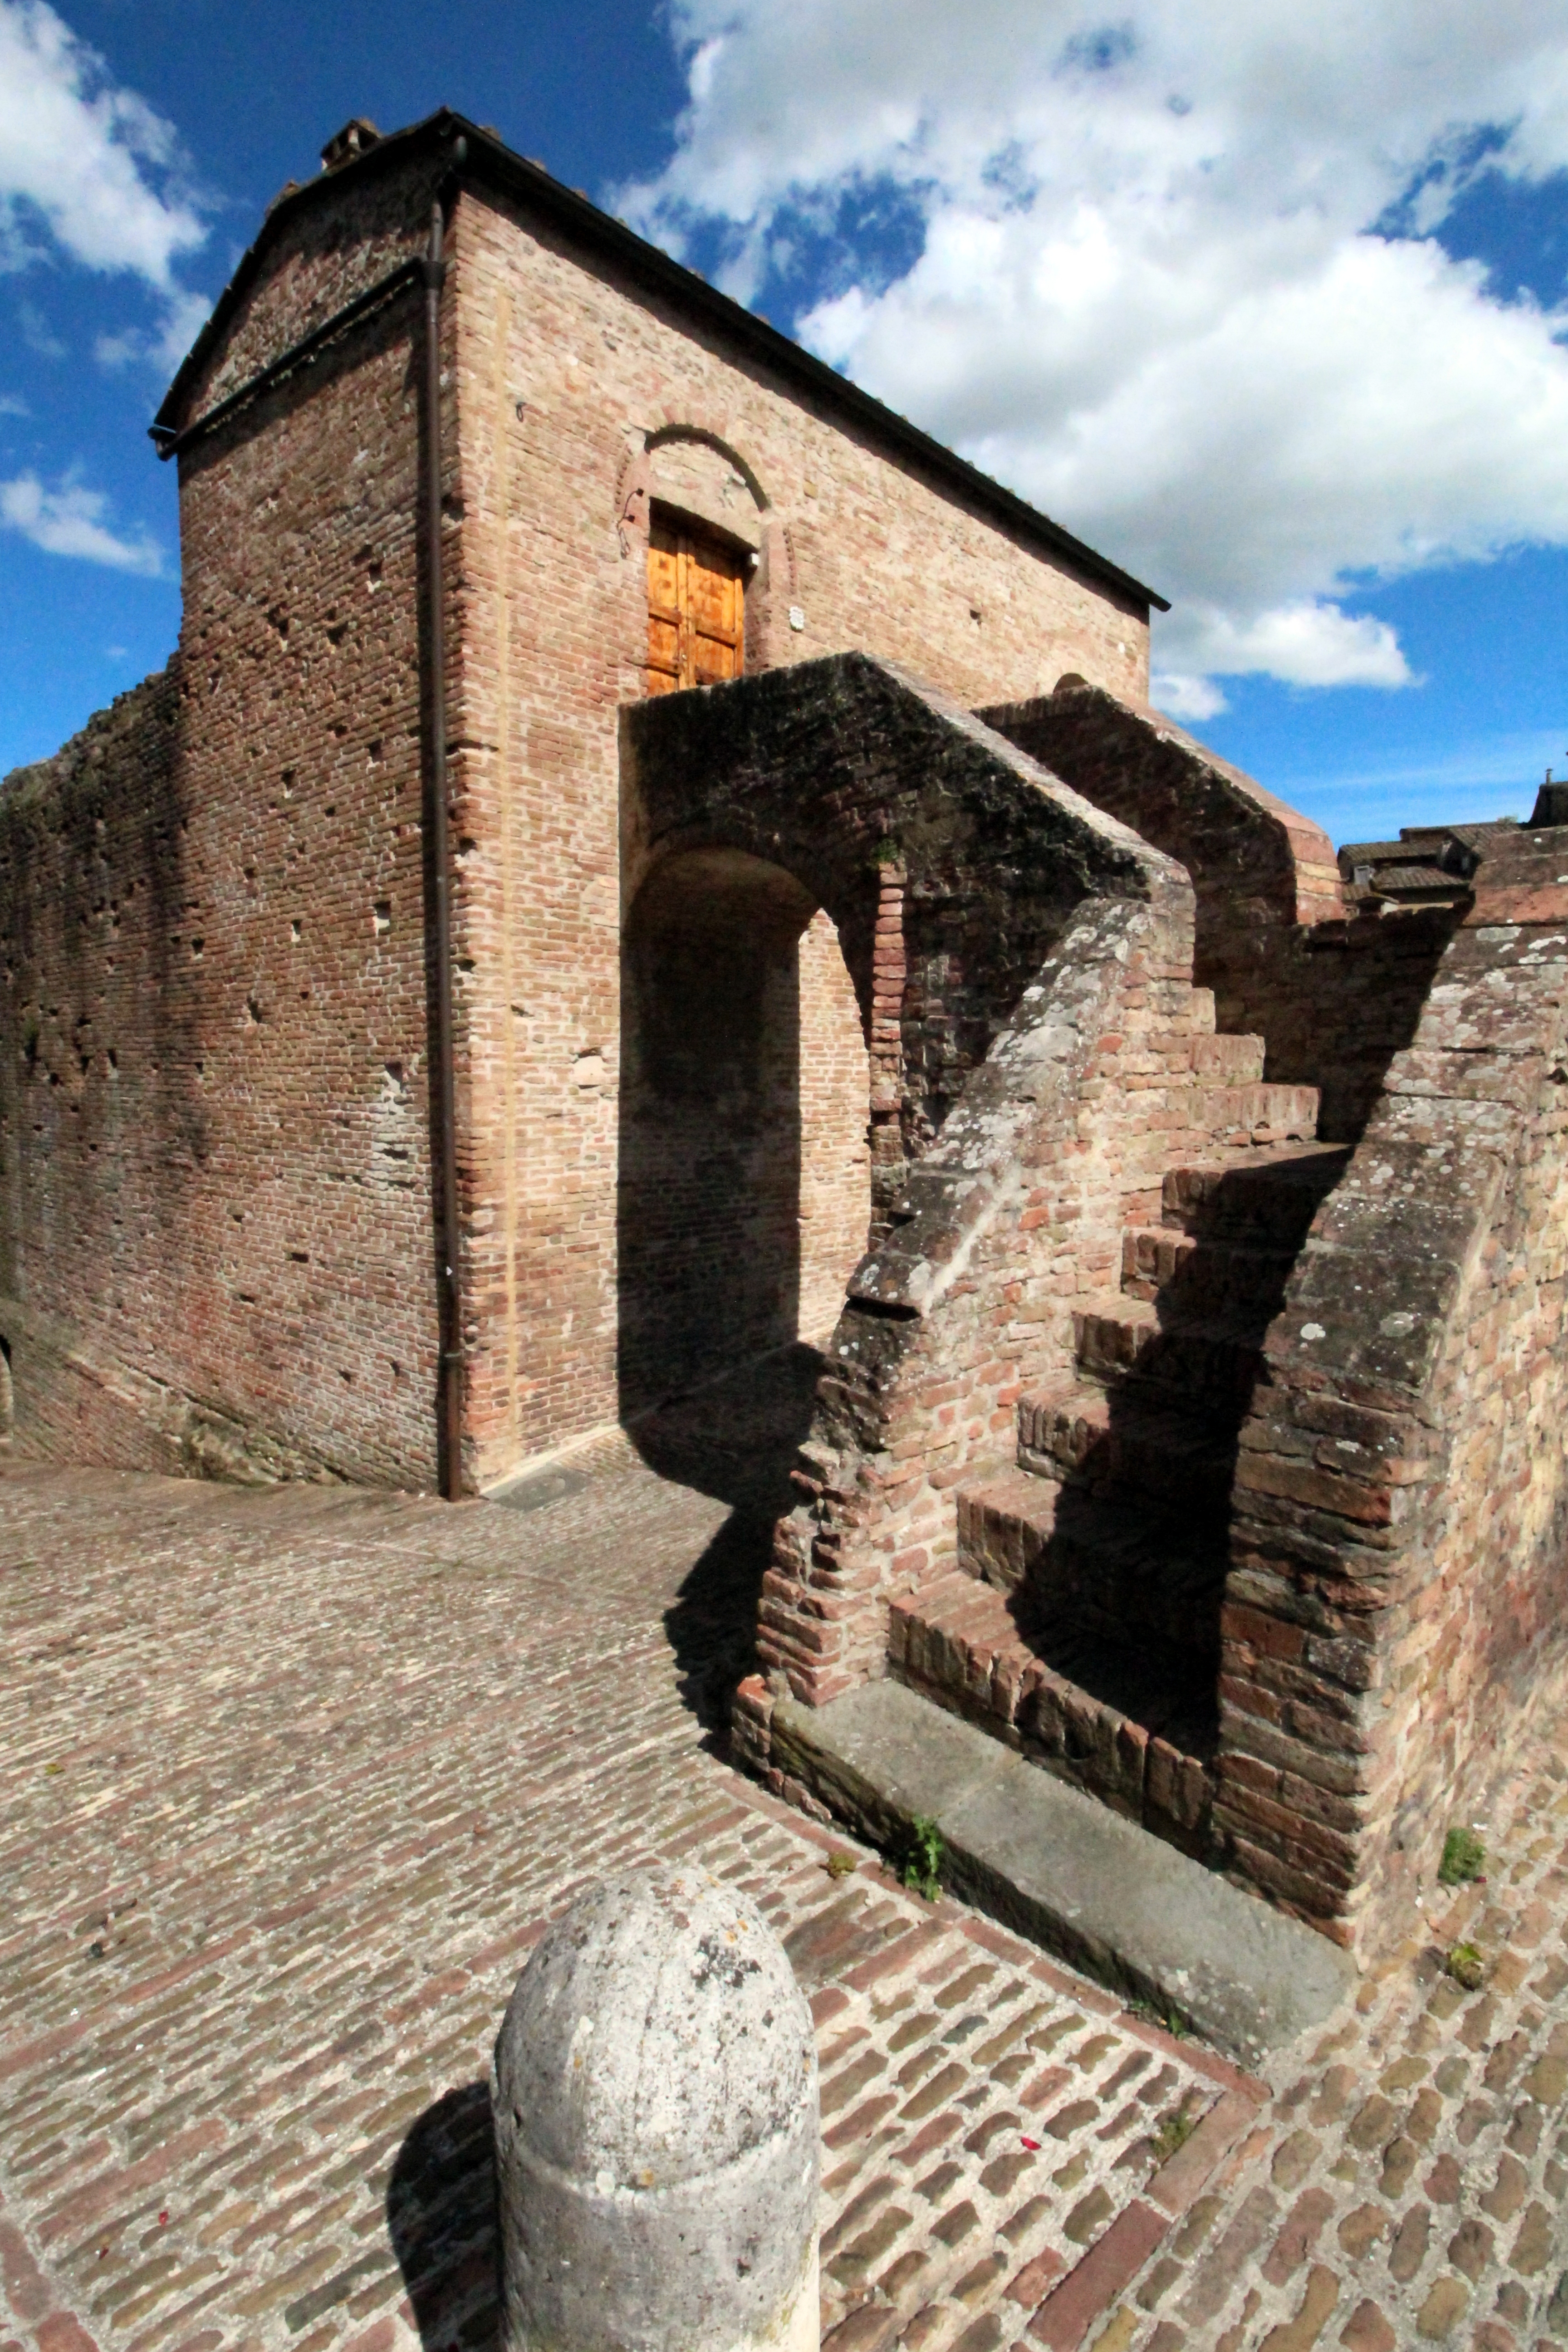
[489, 162]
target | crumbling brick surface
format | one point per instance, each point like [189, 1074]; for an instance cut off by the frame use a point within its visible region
[1334, 999]
[1045, 1044]
[1396, 1607]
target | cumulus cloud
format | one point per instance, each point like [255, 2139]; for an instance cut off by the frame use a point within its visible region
[1176, 277]
[68, 520]
[84, 154]
[88, 169]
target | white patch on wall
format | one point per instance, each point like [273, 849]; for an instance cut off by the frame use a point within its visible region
[392, 1132]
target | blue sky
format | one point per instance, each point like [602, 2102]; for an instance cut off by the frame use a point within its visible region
[1273, 313]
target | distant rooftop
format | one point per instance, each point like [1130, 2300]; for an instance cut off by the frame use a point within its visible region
[1432, 865]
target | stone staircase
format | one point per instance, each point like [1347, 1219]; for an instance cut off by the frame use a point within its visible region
[1081, 1621]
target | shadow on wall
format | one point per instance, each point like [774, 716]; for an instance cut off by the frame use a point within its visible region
[743, 1109]
[708, 1207]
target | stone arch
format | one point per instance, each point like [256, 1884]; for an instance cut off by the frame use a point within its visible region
[742, 1188]
[692, 469]
[710, 460]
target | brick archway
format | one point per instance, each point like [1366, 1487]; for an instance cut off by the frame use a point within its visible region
[742, 1204]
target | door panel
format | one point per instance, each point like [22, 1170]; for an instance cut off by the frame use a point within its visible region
[696, 608]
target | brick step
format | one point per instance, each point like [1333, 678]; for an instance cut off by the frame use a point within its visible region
[1267, 1197]
[1118, 1567]
[1203, 1277]
[1257, 1114]
[1213, 1362]
[1129, 1441]
[1211, 1059]
[1117, 1726]
[1225, 1059]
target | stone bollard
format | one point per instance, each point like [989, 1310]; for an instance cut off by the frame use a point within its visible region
[657, 2134]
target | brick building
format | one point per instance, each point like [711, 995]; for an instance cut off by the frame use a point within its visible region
[437, 1026]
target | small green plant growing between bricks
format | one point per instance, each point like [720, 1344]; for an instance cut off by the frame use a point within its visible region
[923, 1858]
[1464, 1857]
[1169, 2020]
[1467, 1965]
[1173, 2131]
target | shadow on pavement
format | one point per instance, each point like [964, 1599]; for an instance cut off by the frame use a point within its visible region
[712, 1623]
[735, 1438]
[441, 2218]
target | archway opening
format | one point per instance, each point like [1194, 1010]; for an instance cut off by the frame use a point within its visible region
[743, 1190]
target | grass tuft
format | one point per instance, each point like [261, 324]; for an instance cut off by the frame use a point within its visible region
[1464, 1858]
[1173, 2131]
[1467, 1965]
[923, 1858]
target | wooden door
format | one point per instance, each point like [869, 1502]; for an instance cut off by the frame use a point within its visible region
[696, 608]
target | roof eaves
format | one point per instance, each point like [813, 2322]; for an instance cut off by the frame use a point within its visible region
[488, 158]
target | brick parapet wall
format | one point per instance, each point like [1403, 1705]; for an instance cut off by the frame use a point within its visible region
[1334, 997]
[1045, 1082]
[1060, 1137]
[1397, 1594]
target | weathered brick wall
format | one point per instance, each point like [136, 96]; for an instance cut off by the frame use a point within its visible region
[231, 1218]
[1396, 1603]
[572, 399]
[1270, 902]
[1333, 997]
[1059, 1136]
[579, 397]
[1041, 1078]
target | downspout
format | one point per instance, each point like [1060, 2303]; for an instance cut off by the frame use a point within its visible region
[443, 1076]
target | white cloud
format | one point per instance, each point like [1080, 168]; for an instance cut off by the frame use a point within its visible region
[13, 404]
[68, 520]
[81, 151]
[1181, 696]
[89, 163]
[1153, 293]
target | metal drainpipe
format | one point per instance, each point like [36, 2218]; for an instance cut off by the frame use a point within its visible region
[443, 1084]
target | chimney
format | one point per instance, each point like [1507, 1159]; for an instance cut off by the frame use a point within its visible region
[356, 137]
[1551, 804]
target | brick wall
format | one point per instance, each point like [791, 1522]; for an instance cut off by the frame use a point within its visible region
[580, 397]
[217, 1234]
[1039, 1076]
[1334, 999]
[279, 1282]
[1395, 1608]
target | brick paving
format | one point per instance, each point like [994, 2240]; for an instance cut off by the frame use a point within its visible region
[293, 1780]
[1405, 2185]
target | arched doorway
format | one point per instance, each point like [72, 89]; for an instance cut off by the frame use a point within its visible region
[744, 1184]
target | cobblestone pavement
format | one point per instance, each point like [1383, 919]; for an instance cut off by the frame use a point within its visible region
[1406, 2184]
[293, 1781]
